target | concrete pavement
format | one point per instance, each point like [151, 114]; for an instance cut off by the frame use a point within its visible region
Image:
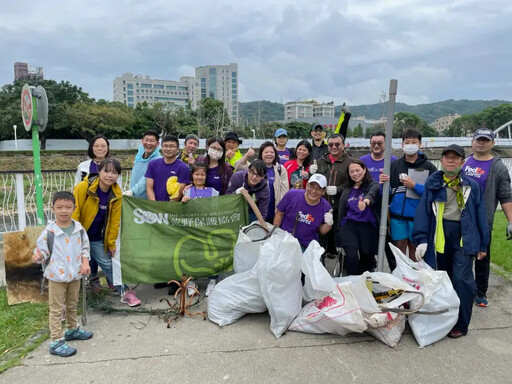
[135, 348]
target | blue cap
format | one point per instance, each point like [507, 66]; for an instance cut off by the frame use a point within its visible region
[281, 132]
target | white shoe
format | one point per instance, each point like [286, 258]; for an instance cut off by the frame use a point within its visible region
[210, 287]
[190, 288]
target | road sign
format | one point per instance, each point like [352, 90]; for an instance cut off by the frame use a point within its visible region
[42, 107]
[27, 110]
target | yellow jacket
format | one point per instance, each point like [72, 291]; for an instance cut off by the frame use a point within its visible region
[87, 205]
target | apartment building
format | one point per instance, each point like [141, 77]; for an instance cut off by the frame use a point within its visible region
[219, 82]
[22, 71]
[307, 108]
[444, 122]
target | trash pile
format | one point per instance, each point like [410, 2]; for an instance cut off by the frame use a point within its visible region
[269, 268]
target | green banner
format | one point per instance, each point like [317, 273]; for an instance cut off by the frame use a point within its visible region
[162, 240]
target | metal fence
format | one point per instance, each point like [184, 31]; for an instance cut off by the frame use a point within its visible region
[18, 195]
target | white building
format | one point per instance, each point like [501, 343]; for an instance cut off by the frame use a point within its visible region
[307, 108]
[220, 82]
[444, 122]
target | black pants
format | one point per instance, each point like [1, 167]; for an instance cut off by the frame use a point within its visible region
[482, 270]
[356, 263]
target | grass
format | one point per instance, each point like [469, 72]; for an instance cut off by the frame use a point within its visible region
[18, 324]
[501, 248]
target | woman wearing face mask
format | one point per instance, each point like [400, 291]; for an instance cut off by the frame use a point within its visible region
[219, 171]
[359, 214]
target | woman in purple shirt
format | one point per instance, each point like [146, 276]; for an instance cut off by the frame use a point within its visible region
[359, 214]
[219, 171]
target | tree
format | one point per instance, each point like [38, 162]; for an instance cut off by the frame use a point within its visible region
[406, 120]
[374, 129]
[298, 130]
[358, 131]
[211, 113]
[350, 133]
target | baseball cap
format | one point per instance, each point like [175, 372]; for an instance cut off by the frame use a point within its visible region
[454, 148]
[315, 126]
[319, 179]
[483, 132]
[232, 136]
[281, 132]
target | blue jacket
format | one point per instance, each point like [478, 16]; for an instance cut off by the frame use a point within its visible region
[475, 231]
[140, 165]
[400, 206]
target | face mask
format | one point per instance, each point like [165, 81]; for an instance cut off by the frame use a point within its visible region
[215, 154]
[455, 172]
[411, 149]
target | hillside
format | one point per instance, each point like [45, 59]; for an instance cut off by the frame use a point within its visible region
[254, 111]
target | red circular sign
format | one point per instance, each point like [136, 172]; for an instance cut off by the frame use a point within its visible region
[26, 107]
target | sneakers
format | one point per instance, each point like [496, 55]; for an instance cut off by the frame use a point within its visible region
[481, 301]
[130, 298]
[95, 285]
[60, 348]
[77, 334]
[210, 287]
[191, 288]
[455, 334]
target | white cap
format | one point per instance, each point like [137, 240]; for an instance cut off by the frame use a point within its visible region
[319, 179]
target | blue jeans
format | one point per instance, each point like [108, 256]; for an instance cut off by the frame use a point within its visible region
[105, 262]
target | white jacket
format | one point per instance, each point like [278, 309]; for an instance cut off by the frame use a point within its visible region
[83, 170]
[66, 258]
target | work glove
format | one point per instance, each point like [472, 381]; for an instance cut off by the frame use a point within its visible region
[128, 193]
[331, 190]
[328, 218]
[313, 168]
[420, 251]
[239, 190]
[509, 231]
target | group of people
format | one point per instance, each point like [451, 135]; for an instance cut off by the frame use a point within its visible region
[316, 191]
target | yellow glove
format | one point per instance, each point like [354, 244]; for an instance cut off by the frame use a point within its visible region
[173, 187]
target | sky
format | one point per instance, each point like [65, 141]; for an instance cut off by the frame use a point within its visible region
[329, 50]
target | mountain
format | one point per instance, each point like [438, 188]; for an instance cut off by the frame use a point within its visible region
[428, 112]
[254, 111]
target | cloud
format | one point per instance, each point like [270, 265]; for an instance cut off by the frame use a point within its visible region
[331, 50]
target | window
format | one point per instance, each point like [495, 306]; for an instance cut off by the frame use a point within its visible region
[130, 93]
[129, 86]
[170, 87]
[144, 85]
[183, 88]
[158, 86]
[130, 99]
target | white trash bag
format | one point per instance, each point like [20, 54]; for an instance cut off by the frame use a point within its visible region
[278, 271]
[439, 296]
[247, 248]
[318, 282]
[234, 297]
[337, 313]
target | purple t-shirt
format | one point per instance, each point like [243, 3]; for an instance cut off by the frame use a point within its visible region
[284, 156]
[213, 179]
[159, 171]
[93, 167]
[201, 193]
[271, 175]
[478, 170]
[310, 216]
[353, 212]
[95, 230]
[374, 166]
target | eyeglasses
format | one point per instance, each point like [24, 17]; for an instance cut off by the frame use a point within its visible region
[336, 145]
[255, 174]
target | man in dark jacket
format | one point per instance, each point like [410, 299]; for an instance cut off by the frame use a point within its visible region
[450, 229]
[407, 180]
[493, 177]
[318, 144]
[334, 166]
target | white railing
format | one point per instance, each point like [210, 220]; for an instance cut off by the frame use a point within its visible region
[18, 196]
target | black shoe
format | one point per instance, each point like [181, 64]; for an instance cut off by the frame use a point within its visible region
[160, 285]
[172, 289]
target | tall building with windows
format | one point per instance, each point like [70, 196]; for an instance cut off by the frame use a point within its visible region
[444, 122]
[220, 82]
[131, 89]
[307, 108]
[22, 71]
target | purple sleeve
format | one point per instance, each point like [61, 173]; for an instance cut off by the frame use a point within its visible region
[263, 200]
[282, 205]
[184, 175]
[234, 183]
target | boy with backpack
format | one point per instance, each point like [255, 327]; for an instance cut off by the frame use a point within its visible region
[64, 247]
